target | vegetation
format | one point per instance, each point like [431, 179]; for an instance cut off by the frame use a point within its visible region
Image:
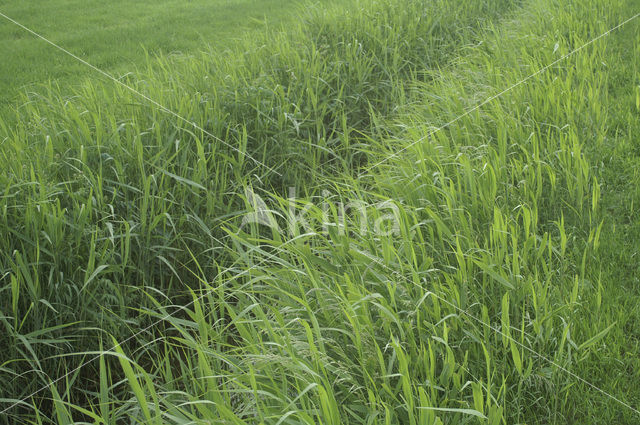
[116, 36]
[485, 272]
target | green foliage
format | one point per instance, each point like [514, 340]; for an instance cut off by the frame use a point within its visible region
[116, 35]
[121, 226]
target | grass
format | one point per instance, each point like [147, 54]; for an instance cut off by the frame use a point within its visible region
[117, 36]
[473, 268]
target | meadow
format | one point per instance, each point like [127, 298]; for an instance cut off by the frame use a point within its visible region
[416, 212]
[118, 36]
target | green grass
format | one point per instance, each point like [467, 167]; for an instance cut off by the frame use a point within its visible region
[513, 259]
[116, 36]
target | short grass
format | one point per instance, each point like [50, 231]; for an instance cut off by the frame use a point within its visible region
[505, 292]
[116, 35]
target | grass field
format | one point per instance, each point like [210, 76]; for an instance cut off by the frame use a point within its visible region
[117, 36]
[415, 212]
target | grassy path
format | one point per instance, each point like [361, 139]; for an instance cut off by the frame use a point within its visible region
[617, 161]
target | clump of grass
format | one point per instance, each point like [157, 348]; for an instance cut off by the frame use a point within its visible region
[116, 217]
